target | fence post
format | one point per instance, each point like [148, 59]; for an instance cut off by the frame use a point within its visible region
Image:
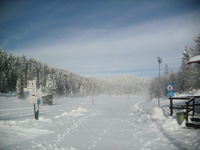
[187, 107]
[193, 106]
[171, 106]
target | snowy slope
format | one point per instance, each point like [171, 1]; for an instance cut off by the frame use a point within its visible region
[115, 122]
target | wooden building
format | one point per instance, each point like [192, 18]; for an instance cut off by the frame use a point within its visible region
[47, 99]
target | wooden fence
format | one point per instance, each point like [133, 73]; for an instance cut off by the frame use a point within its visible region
[188, 106]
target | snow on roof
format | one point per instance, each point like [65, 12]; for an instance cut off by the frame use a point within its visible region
[195, 59]
[46, 95]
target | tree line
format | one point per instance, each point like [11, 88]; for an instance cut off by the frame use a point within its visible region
[185, 79]
[17, 71]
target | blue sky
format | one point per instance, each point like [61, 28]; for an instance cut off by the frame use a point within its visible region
[101, 37]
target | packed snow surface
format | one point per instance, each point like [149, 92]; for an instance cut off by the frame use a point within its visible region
[112, 123]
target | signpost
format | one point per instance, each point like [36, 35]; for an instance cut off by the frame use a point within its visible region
[169, 89]
[159, 88]
[33, 97]
[32, 84]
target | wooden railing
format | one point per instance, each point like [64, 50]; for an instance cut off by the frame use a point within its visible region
[188, 107]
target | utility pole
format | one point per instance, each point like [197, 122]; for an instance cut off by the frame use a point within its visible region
[159, 90]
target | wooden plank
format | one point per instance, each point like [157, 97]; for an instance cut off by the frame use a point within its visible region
[195, 119]
[180, 107]
[176, 107]
[180, 98]
[189, 110]
[193, 125]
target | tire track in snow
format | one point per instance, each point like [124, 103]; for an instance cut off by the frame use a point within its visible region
[100, 137]
[60, 138]
[159, 126]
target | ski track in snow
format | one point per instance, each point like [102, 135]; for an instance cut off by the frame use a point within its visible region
[112, 123]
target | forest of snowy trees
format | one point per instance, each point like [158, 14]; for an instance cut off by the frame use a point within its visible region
[123, 85]
[16, 72]
[186, 79]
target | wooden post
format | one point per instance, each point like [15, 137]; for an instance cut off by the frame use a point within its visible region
[34, 109]
[187, 111]
[171, 106]
[38, 111]
[193, 106]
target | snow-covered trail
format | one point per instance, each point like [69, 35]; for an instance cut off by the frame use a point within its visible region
[111, 123]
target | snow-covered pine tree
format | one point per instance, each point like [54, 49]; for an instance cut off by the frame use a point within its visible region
[184, 72]
[65, 88]
[4, 83]
[195, 50]
[43, 73]
[153, 88]
[166, 69]
[11, 79]
[23, 68]
[20, 87]
[32, 69]
[51, 87]
[195, 68]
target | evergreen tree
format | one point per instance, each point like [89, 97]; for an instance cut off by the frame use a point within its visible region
[64, 86]
[23, 69]
[11, 79]
[3, 72]
[194, 51]
[43, 73]
[166, 69]
[184, 72]
[51, 87]
[20, 87]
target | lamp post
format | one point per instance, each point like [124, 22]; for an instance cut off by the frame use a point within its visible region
[159, 61]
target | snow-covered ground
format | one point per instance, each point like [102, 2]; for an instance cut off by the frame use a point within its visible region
[115, 122]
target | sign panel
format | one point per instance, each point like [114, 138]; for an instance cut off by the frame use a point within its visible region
[33, 101]
[33, 95]
[33, 91]
[38, 101]
[169, 89]
[32, 84]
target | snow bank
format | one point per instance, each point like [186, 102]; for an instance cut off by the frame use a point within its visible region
[181, 137]
[158, 114]
[74, 113]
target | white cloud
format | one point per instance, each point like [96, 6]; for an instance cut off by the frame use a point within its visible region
[116, 50]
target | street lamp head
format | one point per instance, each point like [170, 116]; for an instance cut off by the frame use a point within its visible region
[159, 60]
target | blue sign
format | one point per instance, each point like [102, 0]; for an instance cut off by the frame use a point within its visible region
[169, 89]
[38, 101]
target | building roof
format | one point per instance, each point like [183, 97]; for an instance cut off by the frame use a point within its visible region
[195, 59]
[46, 95]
